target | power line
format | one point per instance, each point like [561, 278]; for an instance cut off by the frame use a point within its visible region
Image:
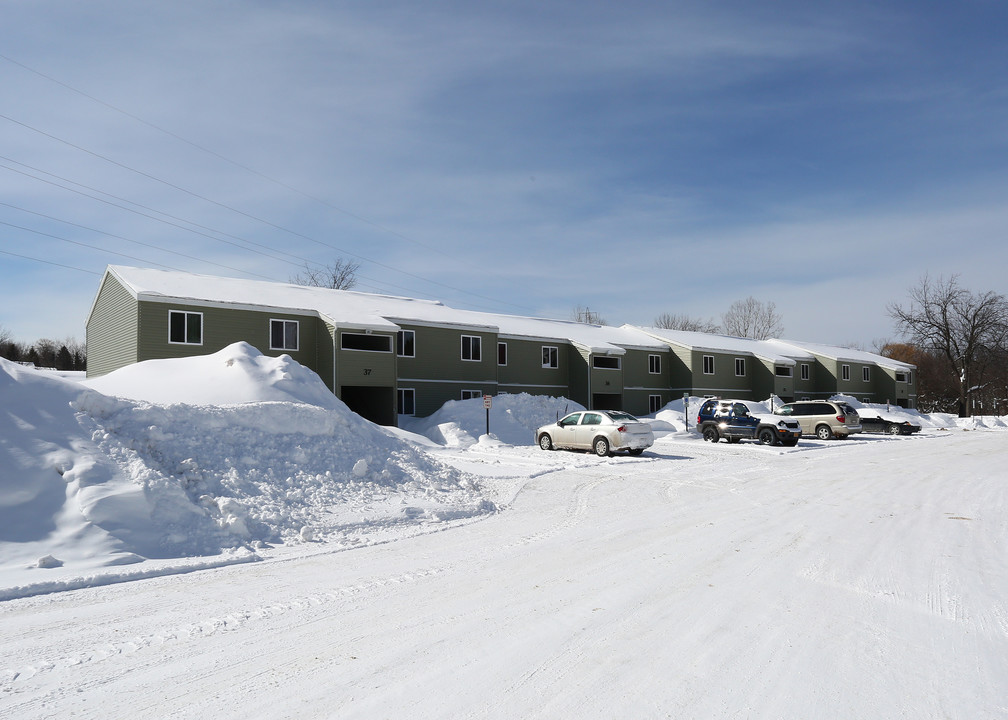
[228, 160]
[241, 212]
[49, 262]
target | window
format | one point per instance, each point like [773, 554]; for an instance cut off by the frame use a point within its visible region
[866, 374]
[185, 328]
[654, 365]
[605, 362]
[471, 348]
[654, 401]
[406, 343]
[591, 419]
[471, 394]
[368, 343]
[739, 367]
[845, 372]
[910, 378]
[406, 401]
[783, 370]
[804, 371]
[708, 364]
[549, 356]
[283, 335]
[502, 353]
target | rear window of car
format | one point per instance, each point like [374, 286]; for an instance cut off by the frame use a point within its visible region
[615, 415]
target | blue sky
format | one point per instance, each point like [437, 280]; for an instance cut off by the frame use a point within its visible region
[635, 158]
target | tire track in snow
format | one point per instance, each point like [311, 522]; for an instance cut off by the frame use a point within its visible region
[15, 679]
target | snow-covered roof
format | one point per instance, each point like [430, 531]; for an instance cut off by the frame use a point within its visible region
[842, 353]
[763, 349]
[368, 310]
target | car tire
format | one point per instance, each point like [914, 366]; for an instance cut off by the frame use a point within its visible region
[601, 447]
[636, 451]
[545, 442]
[894, 429]
[711, 434]
[767, 437]
[823, 432]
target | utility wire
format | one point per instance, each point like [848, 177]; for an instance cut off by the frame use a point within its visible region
[241, 212]
[228, 160]
[49, 262]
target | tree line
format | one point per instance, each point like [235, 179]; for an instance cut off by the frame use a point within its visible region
[68, 354]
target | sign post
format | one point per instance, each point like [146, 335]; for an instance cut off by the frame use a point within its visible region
[685, 407]
[487, 403]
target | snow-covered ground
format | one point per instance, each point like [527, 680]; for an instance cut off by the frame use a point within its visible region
[220, 537]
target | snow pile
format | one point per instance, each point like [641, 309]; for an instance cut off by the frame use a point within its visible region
[112, 475]
[932, 421]
[513, 419]
[238, 374]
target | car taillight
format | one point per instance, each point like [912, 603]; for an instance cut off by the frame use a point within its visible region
[841, 418]
[621, 428]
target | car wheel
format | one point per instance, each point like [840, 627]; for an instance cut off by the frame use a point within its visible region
[823, 432]
[767, 436]
[601, 447]
[636, 451]
[545, 442]
[710, 434]
[893, 429]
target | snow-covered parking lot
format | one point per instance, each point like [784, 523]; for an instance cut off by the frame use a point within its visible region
[866, 578]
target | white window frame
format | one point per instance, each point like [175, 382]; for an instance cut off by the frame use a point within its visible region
[788, 371]
[390, 346]
[297, 335]
[654, 404]
[551, 357]
[401, 395]
[502, 346]
[739, 362]
[705, 359]
[401, 343]
[472, 394]
[845, 373]
[654, 365]
[866, 373]
[805, 374]
[596, 366]
[186, 314]
[474, 347]
[909, 377]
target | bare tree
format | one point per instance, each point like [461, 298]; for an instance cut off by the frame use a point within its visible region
[340, 275]
[752, 318]
[584, 315]
[675, 321]
[968, 330]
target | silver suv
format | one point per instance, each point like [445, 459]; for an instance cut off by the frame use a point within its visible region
[823, 418]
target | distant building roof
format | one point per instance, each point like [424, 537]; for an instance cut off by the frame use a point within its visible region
[368, 310]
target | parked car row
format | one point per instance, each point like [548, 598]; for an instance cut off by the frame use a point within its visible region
[605, 432]
[825, 419]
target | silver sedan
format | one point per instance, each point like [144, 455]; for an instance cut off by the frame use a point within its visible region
[601, 431]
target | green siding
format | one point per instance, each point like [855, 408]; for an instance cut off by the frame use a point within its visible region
[525, 368]
[724, 382]
[111, 331]
[364, 368]
[222, 327]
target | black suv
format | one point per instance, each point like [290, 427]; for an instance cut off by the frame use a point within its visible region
[737, 420]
